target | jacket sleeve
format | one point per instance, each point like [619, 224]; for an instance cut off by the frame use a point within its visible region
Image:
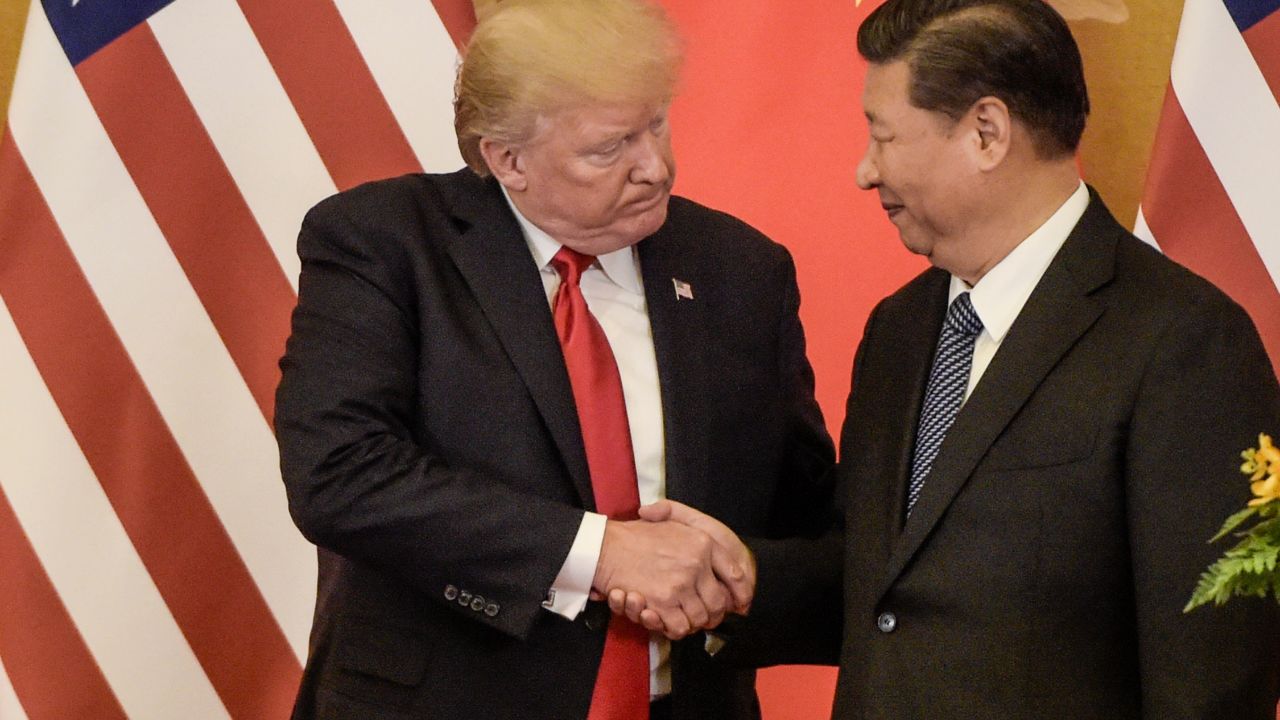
[1208, 391]
[360, 479]
[806, 507]
[797, 616]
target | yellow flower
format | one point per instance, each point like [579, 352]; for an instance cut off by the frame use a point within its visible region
[1266, 490]
[1256, 461]
[1263, 467]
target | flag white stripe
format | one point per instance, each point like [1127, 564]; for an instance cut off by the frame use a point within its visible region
[1235, 117]
[413, 60]
[10, 708]
[1143, 231]
[241, 103]
[95, 570]
[162, 324]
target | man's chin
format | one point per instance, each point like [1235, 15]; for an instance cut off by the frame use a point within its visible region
[603, 243]
[648, 222]
[915, 245]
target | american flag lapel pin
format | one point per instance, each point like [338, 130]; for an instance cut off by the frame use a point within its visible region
[684, 291]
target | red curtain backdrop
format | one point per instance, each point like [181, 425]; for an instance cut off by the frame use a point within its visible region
[768, 126]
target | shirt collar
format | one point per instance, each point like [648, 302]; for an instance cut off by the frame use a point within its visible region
[619, 266]
[999, 296]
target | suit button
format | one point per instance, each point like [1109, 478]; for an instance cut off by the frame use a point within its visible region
[887, 622]
[464, 598]
[450, 592]
[477, 603]
[491, 609]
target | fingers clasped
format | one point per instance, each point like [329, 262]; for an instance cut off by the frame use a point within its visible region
[676, 571]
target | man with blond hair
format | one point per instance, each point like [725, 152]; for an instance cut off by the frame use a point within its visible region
[491, 370]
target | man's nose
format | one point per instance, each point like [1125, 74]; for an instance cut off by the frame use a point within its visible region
[651, 160]
[868, 175]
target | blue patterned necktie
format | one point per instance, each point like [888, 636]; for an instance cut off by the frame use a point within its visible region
[947, 382]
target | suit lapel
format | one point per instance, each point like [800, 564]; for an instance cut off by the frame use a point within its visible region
[677, 325]
[1057, 313]
[494, 259]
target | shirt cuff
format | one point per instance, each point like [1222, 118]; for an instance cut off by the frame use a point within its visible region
[572, 587]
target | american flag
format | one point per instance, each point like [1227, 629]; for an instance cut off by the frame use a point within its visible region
[158, 158]
[683, 289]
[1212, 199]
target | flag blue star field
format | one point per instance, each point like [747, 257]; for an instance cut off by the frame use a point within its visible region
[158, 158]
[1211, 196]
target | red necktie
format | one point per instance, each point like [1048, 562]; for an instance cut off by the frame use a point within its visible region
[622, 685]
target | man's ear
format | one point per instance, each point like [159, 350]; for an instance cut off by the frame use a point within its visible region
[504, 162]
[992, 124]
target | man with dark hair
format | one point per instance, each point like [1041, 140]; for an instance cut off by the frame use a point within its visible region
[1042, 429]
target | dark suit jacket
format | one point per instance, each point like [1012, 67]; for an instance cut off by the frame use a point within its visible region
[431, 448]
[1043, 572]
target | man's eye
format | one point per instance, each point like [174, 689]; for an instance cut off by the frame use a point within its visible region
[610, 149]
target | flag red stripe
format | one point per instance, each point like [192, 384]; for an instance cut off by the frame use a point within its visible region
[1211, 239]
[1263, 40]
[196, 203]
[330, 85]
[49, 665]
[153, 491]
[458, 17]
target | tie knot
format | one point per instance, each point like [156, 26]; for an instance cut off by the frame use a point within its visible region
[962, 318]
[571, 264]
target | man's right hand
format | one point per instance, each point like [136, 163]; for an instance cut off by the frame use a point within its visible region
[687, 579]
[636, 607]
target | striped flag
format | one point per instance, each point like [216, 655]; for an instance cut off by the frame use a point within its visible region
[1212, 200]
[158, 159]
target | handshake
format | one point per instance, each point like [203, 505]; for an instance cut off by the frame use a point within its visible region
[675, 570]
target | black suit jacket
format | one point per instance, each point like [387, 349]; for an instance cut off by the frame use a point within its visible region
[1043, 571]
[431, 448]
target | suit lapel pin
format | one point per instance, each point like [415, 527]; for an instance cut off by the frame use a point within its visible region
[684, 291]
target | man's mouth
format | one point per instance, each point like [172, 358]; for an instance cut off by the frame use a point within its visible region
[891, 209]
[648, 202]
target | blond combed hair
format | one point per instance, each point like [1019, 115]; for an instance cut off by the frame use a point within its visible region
[531, 58]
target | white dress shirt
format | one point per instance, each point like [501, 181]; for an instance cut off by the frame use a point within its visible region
[614, 292]
[1000, 295]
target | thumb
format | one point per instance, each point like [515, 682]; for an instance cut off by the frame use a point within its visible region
[734, 578]
[657, 512]
[718, 531]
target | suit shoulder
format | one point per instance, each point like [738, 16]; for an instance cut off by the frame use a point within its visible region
[391, 201]
[717, 226]
[723, 234]
[1151, 279]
